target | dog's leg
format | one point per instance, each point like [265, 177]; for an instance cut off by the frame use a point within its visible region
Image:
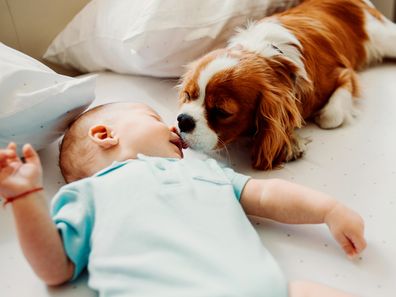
[382, 38]
[339, 109]
[389, 40]
[299, 146]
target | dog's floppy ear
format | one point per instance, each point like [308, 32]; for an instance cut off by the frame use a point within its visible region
[277, 116]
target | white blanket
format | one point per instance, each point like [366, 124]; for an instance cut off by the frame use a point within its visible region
[355, 163]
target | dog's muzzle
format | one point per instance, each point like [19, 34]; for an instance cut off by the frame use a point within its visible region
[186, 123]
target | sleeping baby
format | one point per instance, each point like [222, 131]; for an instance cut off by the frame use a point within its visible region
[146, 222]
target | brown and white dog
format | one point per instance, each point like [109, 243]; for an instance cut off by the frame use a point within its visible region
[279, 72]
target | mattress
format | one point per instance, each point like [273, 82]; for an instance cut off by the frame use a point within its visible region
[355, 163]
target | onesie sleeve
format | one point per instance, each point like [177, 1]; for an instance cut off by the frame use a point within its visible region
[237, 180]
[72, 213]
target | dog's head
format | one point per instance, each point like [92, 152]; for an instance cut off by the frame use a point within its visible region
[231, 92]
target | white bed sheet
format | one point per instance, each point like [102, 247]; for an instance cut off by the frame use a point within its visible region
[355, 163]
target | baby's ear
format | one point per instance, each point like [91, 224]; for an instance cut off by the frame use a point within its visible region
[103, 136]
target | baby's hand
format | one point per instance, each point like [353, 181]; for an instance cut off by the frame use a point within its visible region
[347, 228]
[17, 177]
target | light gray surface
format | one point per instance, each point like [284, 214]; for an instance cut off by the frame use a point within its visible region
[355, 163]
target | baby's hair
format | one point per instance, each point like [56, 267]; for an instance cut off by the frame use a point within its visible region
[76, 150]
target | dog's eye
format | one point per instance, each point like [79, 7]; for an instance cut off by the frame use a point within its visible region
[220, 113]
[187, 95]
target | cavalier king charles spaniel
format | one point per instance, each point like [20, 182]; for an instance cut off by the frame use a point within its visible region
[279, 72]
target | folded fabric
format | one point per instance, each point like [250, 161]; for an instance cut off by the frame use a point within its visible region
[37, 104]
[155, 38]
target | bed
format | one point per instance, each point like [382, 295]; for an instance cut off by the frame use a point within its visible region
[355, 163]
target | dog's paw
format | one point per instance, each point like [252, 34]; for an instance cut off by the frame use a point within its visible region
[338, 110]
[299, 146]
[329, 119]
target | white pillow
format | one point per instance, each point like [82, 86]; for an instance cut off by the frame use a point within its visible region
[37, 104]
[155, 38]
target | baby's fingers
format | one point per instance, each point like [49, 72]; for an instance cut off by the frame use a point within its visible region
[6, 153]
[5, 156]
[13, 147]
[30, 155]
[347, 245]
[358, 241]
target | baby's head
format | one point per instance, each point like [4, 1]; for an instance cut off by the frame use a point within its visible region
[115, 132]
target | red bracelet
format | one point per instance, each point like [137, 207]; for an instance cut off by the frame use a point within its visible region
[11, 199]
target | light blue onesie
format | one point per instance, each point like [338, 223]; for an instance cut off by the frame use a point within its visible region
[156, 227]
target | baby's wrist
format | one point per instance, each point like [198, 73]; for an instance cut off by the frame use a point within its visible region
[30, 185]
[331, 212]
[22, 194]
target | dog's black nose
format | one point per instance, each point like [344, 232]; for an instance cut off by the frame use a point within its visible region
[186, 122]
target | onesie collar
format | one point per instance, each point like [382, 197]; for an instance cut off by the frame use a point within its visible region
[142, 157]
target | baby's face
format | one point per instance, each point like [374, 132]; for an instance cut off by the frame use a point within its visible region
[140, 129]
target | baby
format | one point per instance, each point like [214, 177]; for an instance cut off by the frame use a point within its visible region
[146, 222]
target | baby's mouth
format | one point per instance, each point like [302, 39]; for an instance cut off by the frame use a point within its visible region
[180, 144]
[184, 144]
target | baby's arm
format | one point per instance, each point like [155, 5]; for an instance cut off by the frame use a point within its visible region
[287, 202]
[310, 289]
[39, 238]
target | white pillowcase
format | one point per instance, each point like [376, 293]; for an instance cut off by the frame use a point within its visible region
[156, 37]
[37, 104]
